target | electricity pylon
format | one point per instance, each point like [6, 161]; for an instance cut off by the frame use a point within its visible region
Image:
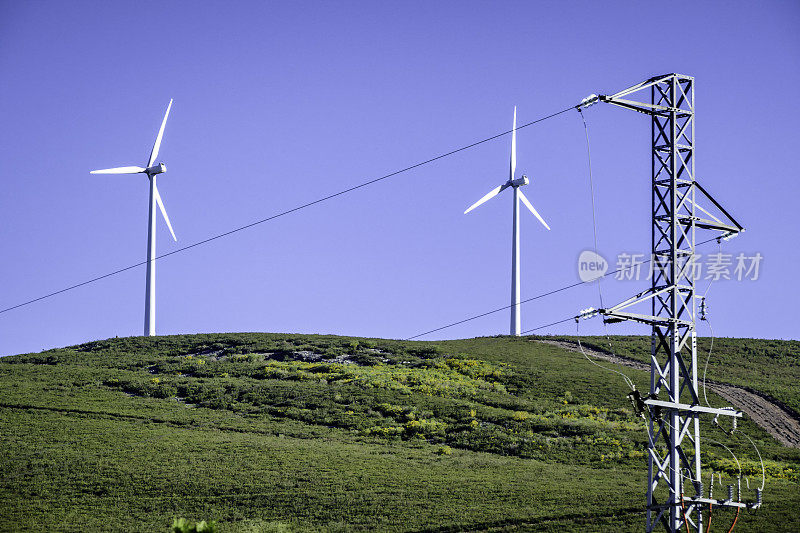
[673, 405]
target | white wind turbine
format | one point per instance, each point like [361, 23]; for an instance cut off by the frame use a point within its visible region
[151, 171]
[518, 195]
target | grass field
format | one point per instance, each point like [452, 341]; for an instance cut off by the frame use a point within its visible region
[768, 366]
[271, 432]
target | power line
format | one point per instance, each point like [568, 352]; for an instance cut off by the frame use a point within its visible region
[554, 291]
[550, 324]
[500, 309]
[594, 233]
[288, 211]
[591, 190]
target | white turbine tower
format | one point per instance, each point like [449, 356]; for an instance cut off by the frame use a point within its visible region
[518, 195]
[151, 171]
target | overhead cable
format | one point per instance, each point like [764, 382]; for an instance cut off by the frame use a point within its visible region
[542, 295]
[286, 212]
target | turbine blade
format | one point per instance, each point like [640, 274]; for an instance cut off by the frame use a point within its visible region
[157, 145]
[163, 211]
[533, 210]
[491, 194]
[119, 170]
[513, 146]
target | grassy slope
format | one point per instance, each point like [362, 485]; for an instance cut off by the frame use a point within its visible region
[541, 439]
[768, 366]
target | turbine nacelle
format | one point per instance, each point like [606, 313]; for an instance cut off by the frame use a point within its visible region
[156, 169]
[519, 182]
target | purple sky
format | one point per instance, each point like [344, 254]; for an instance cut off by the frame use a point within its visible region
[277, 104]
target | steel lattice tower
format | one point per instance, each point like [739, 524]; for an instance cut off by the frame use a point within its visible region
[673, 405]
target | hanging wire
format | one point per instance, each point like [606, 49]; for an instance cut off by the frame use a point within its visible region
[628, 380]
[705, 318]
[594, 234]
[591, 189]
[705, 368]
[594, 222]
[763, 470]
[735, 518]
[738, 464]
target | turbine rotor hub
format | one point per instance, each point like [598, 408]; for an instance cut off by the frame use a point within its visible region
[156, 169]
[519, 182]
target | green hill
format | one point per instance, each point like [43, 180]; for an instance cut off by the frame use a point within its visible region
[280, 432]
[769, 366]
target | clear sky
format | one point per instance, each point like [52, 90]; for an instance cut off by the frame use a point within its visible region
[279, 103]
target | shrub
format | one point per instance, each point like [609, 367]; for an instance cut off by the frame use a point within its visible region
[521, 416]
[181, 525]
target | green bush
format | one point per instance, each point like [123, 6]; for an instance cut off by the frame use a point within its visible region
[444, 450]
[181, 525]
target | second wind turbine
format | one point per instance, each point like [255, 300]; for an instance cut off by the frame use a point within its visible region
[151, 171]
[515, 184]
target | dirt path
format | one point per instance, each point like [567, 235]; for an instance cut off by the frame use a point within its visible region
[777, 421]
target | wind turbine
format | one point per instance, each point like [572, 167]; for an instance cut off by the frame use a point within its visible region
[518, 195]
[151, 171]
